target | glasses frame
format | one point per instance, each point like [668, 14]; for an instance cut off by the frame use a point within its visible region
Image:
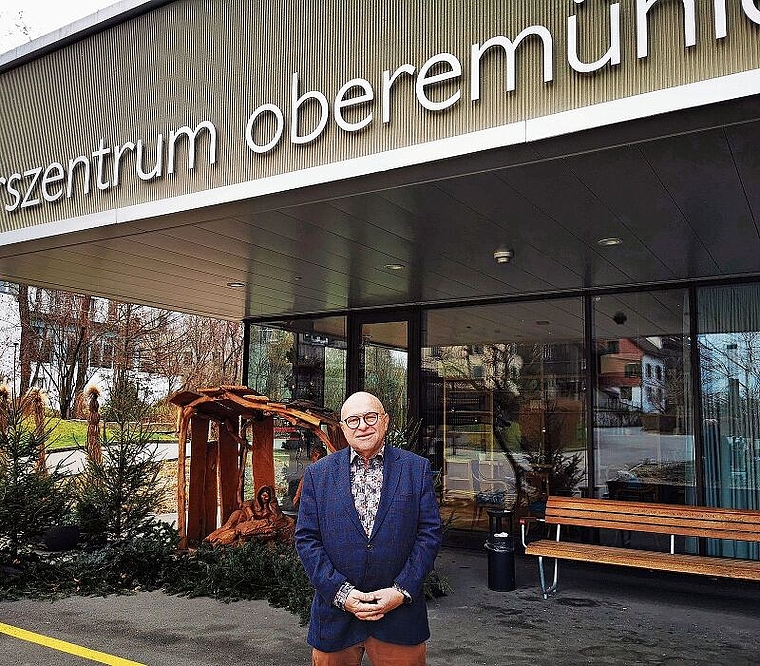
[362, 417]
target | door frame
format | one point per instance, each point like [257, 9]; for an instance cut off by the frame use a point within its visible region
[412, 318]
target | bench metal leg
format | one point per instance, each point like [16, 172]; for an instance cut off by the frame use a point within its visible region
[546, 591]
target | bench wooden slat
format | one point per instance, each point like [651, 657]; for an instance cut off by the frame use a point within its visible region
[653, 510]
[686, 527]
[678, 530]
[646, 559]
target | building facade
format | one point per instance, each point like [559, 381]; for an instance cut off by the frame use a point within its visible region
[530, 226]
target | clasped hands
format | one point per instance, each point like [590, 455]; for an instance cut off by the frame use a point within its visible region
[373, 605]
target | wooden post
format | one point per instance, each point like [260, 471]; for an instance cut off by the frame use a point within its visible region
[262, 459]
[4, 407]
[196, 515]
[210, 490]
[185, 414]
[228, 469]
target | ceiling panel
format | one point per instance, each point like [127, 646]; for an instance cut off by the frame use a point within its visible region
[700, 174]
[631, 189]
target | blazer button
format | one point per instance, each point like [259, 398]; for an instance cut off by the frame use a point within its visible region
[370, 546]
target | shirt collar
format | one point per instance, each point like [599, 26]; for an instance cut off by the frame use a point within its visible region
[379, 455]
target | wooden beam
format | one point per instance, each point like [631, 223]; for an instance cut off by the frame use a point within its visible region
[210, 489]
[228, 469]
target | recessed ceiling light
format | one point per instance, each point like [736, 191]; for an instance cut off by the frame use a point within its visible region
[542, 322]
[395, 267]
[609, 242]
[298, 277]
[236, 285]
[503, 255]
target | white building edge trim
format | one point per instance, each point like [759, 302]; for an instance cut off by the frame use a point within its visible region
[711, 91]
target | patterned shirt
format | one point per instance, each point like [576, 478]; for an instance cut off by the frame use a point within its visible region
[366, 487]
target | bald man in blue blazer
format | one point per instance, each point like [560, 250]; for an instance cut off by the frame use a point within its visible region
[368, 533]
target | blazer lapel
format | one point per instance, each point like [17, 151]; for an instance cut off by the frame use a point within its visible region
[391, 478]
[342, 482]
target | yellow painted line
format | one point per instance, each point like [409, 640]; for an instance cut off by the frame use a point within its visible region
[63, 646]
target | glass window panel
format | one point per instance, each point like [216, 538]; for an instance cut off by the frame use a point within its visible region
[729, 351]
[383, 367]
[303, 359]
[504, 405]
[643, 437]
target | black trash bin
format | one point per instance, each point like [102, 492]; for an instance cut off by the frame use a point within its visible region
[501, 555]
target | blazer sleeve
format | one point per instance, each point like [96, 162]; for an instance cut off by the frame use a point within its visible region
[429, 538]
[308, 537]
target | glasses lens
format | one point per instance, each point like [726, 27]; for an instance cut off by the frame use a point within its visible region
[352, 422]
[370, 418]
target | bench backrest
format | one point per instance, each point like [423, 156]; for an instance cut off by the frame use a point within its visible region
[694, 521]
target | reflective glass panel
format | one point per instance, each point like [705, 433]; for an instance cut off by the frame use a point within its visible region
[643, 435]
[504, 406]
[729, 355]
[383, 368]
[297, 360]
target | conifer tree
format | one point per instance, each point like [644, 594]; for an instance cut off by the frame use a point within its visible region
[119, 492]
[32, 500]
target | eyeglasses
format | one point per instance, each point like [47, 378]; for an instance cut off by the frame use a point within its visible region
[369, 418]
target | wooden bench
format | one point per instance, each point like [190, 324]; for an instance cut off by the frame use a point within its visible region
[673, 520]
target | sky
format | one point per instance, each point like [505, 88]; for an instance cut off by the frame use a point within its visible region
[41, 17]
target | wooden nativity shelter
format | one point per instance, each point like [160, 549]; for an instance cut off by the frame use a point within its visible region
[245, 423]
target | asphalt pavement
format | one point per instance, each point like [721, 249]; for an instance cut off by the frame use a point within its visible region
[602, 615]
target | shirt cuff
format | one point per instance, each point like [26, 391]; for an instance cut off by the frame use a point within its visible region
[342, 594]
[407, 596]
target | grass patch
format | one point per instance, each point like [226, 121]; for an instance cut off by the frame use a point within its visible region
[73, 433]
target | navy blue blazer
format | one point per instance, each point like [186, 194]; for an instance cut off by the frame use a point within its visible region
[334, 548]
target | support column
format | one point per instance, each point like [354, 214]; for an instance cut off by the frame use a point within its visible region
[185, 415]
[196, 510]
[228, 469]
[262, 459]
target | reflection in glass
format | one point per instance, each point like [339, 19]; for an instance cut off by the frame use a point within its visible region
[729, 353]
[270, 366]
[644, 446]
[297, 360]
[504, 396]
[383, 367]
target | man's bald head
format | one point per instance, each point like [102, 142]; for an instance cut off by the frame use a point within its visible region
[362, 401]
[365, 439]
